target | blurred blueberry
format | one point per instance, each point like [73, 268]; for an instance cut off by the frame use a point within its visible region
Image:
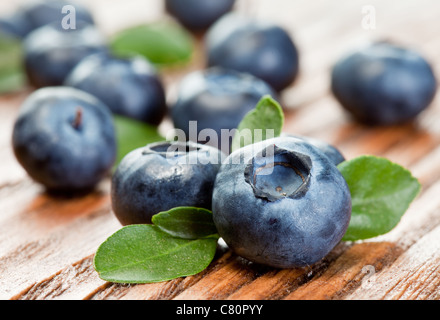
[38, 13]
[383, 84]
[247, 45]
[15, 25]
[196, 14]
[218, 99]
[128, 86]
[65, 139]
[51, 53]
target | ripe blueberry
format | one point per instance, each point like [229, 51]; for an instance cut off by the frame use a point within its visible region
[281, 203]
[333, 153]
[38, 13]
[65, 139]
[265, 50]
[15, 25]
[196, 14]
[383, 84]
[50, 52]
[163, 176]
[128, 86]
[217, 99]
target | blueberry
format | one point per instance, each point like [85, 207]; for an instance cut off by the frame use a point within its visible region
[333, 153]
[51, 53]
[217, 99]
[15, 25]
[162, 176]
[265, 50]
[128, 86]
[383, 84]
[196, 14]
[38, 13]
[65, 139]
[281, 203]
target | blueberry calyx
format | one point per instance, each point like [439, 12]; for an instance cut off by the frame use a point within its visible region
[175, 148]
[76, 124]
[277, 173]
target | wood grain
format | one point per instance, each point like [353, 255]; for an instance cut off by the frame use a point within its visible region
[47, 243]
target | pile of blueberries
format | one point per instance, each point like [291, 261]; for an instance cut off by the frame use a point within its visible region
[289, 211]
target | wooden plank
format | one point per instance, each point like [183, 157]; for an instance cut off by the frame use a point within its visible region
[414, 276]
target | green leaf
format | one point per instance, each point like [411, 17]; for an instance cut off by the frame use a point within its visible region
[12, 75]
[381, 193]
[145, 254]
[132, 134]
[267, 115]
[186, 222]
[164, 43]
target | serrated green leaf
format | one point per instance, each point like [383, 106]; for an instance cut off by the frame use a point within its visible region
[145, 254]
[256, 126]
[132, 134]
[186, 222]
[381, 193]
[163, 43]
[12, 75]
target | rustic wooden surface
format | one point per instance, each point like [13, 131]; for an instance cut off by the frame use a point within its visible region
[47, 244]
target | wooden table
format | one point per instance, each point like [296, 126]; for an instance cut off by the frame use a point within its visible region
[47, 244]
